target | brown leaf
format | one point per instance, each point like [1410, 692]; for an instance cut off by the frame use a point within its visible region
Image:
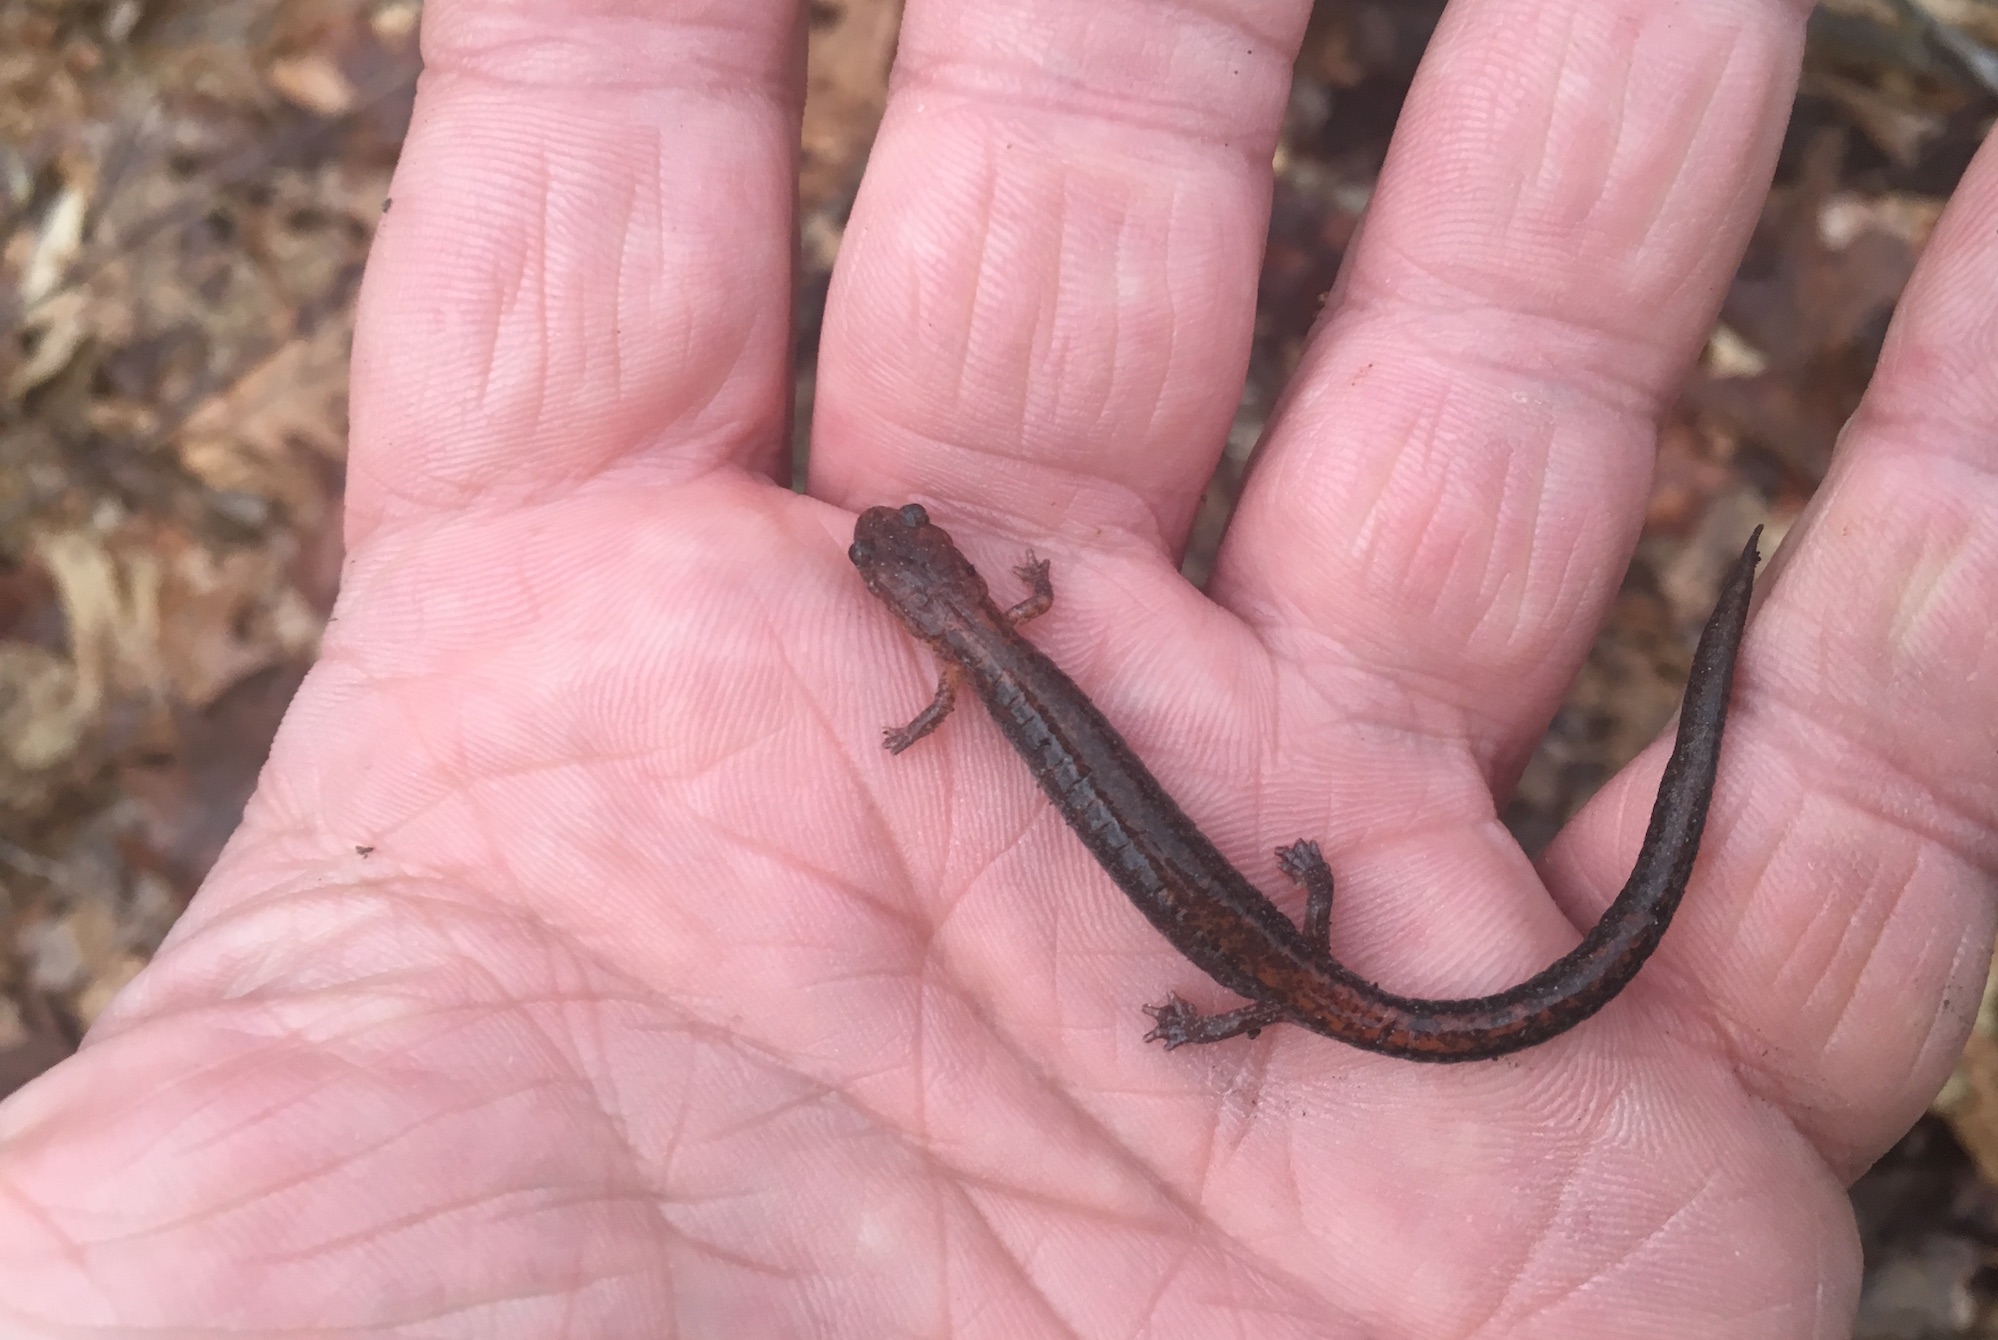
[846, 87]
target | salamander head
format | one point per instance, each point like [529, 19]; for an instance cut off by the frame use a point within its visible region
[915, 569]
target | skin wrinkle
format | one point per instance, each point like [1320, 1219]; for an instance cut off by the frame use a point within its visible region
[537, 299]
[1122, 332]
[508, 48]
[636, 1163]
[1407, 680]
[1289, 1183]
[471, 1005]
[1379, 723]
[1596, 366]
[1943, 1033]
[1248, 1086]
[1527, 206]
[985, 212]
[1073, 104]
[510, 291]
[735, 355]
[1147, 1313]
[305, 1175]
[1199, 1170]
[1025, 1193]
[1617, 120]
[1940, 587]
[1232, 18]
[1747, 1058]
[1884, 777]
[1369, 540]
[1132, 1162]
[1020, 1057]
[1505, 223]
[992, 284]
[1807, 976]
[229, 927]
[996, 1241]
[921, 291]
[1532, 1246]
[204, 1072]
[1835, 979]
[1894, 423]
[918, 1051]
[1601, 1268]
[1958, 1011]
[1829, 957]
[492, 836]
[70, 1250]
[573, 1047]
[748, 1264]
[1512, 585]
[920, 929]
[1502, 588]
[493, 1200]
[467, 792]
[622, 269]
[1948, 1016]
[1459, 549]
[801, 678]
[1789, 1096]
[512, 1093]
[1153, 391]
[1258, 1311]
[1044, 347]
[405, 895]
[1695, 127]
[249, 1121]
[881, 827]
[511, 294]
[1075, 1111]
[811, 1096]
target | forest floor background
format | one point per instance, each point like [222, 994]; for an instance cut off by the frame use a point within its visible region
[187, 195]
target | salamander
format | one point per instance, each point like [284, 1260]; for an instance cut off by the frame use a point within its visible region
[1204, 906]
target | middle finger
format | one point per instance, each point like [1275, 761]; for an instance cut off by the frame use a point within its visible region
[1045, 297]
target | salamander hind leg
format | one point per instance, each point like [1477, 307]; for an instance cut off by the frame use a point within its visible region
[1305, 864]
[1040, 591]
[1178, 1023]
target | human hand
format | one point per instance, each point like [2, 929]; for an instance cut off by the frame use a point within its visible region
[666, 1002]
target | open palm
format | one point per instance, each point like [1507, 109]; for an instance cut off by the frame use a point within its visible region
[585, 967]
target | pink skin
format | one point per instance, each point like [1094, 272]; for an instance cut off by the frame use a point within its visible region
[669, 1003]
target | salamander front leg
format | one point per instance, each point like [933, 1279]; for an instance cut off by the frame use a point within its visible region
[1178, 1023]
[898, 738]
[1040, 591]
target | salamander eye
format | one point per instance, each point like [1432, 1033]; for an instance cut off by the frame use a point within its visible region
[914, 517]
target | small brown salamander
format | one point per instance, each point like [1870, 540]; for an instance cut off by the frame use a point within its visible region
[1200, 902]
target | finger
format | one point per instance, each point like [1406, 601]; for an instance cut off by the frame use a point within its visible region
[1845, 913]
[588, 258]
[1045, 296]
[1459, 474]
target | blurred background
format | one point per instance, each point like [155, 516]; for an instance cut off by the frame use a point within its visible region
[187, 194]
